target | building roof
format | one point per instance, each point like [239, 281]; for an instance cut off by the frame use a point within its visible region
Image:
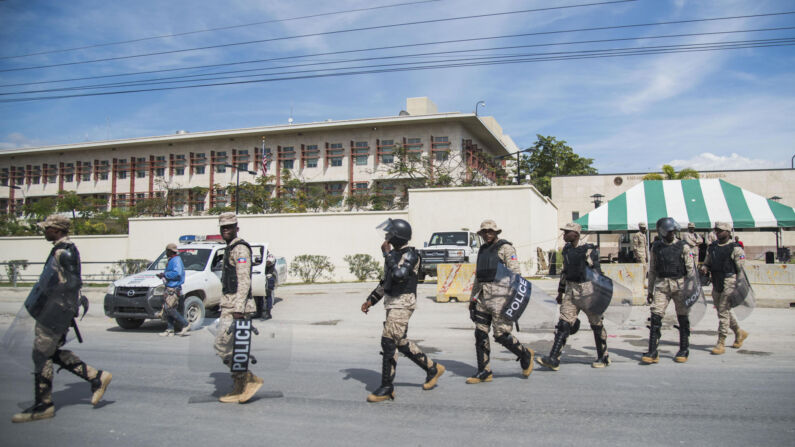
[477, 126]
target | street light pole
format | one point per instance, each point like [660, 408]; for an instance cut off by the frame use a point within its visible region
[597, 201]
[518, 166]
[480, 103]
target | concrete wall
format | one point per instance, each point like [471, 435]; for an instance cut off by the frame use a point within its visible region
[526, 217]
[93, 249]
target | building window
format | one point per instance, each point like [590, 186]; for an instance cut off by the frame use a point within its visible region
[179, 163]
[84, 171]
[287, 157]
[52, 173]
[288, 164]
[360, 188]
[140, 168]
[121, 175]
[386, 151]
[220, 161]
[242, 160]
[360, 152]
[441, 156]
[199, 206]
[575, 215]
[68, 171]
[335, 189]
[104, 167]
[160, 166]
[335, 154]
[200, 169]
[311, 155]
[4, 177]
[140, 195]
[36, 175]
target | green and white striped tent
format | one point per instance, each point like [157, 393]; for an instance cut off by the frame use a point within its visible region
[702, 202]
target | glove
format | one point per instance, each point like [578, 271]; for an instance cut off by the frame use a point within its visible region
[472, 306]
[559, 298]
[649, 298]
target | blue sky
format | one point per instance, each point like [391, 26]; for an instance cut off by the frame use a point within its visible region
[730, 109]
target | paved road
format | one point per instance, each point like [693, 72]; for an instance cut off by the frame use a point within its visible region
[326, 360]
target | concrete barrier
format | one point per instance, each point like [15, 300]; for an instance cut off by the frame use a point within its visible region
[773, 284]
[454, 282]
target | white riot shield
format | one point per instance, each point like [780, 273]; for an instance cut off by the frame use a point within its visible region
[693, 294]
[742, 298]
[526, 300]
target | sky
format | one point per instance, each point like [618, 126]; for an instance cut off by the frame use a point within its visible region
[707, 110]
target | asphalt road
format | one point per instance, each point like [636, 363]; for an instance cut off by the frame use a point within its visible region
[322, 359]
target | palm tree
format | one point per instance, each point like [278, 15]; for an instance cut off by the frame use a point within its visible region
[669, 173]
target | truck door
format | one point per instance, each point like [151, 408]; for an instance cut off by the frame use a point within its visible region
[259, 253]
[213, 278]
[474, 244]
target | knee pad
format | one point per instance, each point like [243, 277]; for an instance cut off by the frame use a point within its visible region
[404, 349]
[503, 338]
[656, 320]
[481, 336]
[565, 327]
[388, 346]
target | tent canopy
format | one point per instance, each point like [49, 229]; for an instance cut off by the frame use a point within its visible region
[702, 202]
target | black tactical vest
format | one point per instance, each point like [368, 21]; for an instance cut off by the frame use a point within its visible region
[488, 260]
[395, 288]
[668, 259]
[722, 263]
[229, 272]
[70, 262]
[575, 260]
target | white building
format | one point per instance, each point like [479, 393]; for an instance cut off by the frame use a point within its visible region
[343, 156]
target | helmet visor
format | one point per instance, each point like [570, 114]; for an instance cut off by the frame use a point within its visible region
[666, 226]
[387, 227]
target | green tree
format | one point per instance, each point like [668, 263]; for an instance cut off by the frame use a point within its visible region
[39, 210]
[549, 158]
[69, 201]
[669, 173]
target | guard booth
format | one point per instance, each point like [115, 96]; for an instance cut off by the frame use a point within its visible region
[702, 202]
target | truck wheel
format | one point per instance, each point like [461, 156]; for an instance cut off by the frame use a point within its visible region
[421, 277]
[130, 323]
[194, 311]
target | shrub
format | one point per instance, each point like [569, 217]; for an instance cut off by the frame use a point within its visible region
[13, 268]
[311, 267]
[363, 266]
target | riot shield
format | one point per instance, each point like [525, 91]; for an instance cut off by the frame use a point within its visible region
[17, 341]
[526, 300]
[37, 297]
[742, 298]
[602, 295]
[268, 348]
[693, 294]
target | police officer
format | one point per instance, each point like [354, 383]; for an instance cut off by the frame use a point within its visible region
[671, 260]
[54, 311]
[236, 304]
[487, 300]
[573, 291]
[270, 284]
[399, 291]
[724, 260]
[692, 239]
[641, 249]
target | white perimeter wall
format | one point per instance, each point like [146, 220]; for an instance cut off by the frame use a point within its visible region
[527, 218]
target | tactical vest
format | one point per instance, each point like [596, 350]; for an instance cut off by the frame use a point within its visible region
[488, 260]
[394, 288]
[668, 259]
[722, 263]
[229, 272]
[575, 260]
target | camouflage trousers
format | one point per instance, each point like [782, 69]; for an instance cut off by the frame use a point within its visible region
[726, 318]
[665, 290]
[572, 304]
[224, 341]
[488, 315]
[46, 352]
[396, 327]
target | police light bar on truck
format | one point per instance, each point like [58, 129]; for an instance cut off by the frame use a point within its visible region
[197, 238]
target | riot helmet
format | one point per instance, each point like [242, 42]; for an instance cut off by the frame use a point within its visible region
[396, 231]
[665, 226]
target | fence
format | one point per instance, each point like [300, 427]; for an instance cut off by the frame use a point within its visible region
[91, 271]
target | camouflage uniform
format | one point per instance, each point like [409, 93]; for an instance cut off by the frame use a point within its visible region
[641, 251]
[63, 291]
[693, 240]
[662, 291]
[489, 298]
[238, 302]
[726, 319]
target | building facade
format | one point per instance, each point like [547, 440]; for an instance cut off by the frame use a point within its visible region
[195, 168]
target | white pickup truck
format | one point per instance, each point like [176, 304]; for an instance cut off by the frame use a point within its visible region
[136, 298]
[448, 247]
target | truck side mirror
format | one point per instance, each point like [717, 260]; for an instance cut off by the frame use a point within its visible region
[424, 244]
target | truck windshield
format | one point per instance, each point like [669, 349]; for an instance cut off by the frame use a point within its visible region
[452, 238]
[192, 258]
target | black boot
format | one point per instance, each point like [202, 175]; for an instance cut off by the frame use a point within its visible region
[654, 340]
[684, 339]
[523, 355]
[258, 302]
[386, 390]
[432, 373]
[600, 338]
[40, 408]
[563, 329]
[483, 353]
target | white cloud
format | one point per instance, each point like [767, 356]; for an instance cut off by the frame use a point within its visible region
[16, 140]
[708, 161]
